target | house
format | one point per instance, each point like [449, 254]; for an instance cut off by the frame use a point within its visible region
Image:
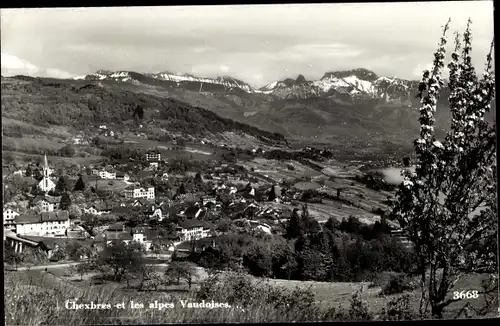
[194, 212]
[141, 202]
[78, 141]
[77, 232]
[122, 176]
[46, 203]
[207, 200]
[154, 210]
[261, 226]
[107, 175]
[192, 230]
[153, 165]
[98, 209]
[19, 172]
[118, 232]
[44, 224]
[46, 184]
[8, 218]
[153, 156]
[137, 192]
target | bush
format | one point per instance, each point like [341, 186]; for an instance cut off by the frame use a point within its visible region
[399, 308]
[398, 284]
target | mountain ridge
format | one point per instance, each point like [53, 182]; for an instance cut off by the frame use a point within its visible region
[357, 82]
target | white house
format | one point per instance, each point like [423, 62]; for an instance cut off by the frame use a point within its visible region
[153, 156]
[133, 192]
[97, 210]
[153, 165]
[44, 224]
[192, 230]
[46, 184]
[19, 172]
[8, 218]
[107, 175]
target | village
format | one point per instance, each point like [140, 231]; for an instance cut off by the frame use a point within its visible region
[46, 221]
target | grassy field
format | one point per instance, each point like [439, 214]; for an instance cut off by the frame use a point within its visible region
[37, 297]
[112, 185]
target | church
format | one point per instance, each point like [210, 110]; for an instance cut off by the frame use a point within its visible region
[46, 184]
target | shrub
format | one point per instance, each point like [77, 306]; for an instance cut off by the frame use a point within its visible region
[399, 308]
[398, 284]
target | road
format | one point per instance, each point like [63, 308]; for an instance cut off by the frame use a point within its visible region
[38, 267]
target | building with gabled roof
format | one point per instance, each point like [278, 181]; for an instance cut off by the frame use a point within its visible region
[52, 223]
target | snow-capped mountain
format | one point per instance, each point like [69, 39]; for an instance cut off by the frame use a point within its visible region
[226, 81]
[291, 88]
[354, 84]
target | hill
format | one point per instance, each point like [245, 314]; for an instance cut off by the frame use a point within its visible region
[43, 102]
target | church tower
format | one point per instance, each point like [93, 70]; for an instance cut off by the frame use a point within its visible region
[46, 184]
[46, 169]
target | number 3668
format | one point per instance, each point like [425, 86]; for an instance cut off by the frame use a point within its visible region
[465, 295]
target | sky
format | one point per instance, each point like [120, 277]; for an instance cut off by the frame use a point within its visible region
[255, 43]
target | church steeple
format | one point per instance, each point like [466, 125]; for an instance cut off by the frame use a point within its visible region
[46, 169]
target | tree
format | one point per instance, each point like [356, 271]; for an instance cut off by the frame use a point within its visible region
[65, 201]
[182, 189]
[122, 258]
[452, 178]
[74, 211]
[68, 151]
[272, 194]
[301, 225]
[181, 270]
[12, 257]
[80, 184]
[61, 185]
[28, 172]
[197, 179]
[81, 268]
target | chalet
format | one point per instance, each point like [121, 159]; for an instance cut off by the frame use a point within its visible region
[193, 230]
[122, 176]
[9, 216]
[153, 156]
[44, 224]
[137, 192]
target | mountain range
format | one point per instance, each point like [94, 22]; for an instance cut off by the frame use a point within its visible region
[354, 109]
[356, 83]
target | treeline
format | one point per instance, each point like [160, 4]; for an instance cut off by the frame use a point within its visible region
[50, 102]
[300, 156]
[346, 252]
